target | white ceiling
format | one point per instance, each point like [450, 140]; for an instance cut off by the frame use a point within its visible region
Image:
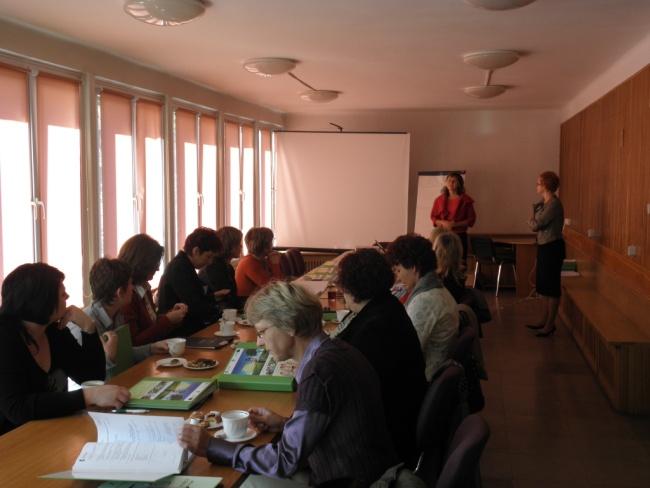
[381, 54]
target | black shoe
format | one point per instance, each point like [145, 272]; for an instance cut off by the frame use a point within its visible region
[545, 333]
[534, 327]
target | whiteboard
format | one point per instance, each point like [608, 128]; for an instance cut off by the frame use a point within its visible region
[430, 183]
[340, 190]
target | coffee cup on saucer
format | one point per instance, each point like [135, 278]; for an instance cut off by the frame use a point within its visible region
[92, 383]
[229, 314]
[235, 423]
[176, 346]
[227, 327]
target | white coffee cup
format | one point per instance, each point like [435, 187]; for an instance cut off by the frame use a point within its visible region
[227, 327]
[229, 313]
[235, 423]
[176, 346]
[91, 383]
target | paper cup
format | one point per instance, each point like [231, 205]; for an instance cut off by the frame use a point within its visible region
[235, 423]
[176, 346]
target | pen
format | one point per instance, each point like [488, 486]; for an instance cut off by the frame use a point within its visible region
[130, 410]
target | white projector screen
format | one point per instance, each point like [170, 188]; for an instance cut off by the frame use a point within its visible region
[340, 189]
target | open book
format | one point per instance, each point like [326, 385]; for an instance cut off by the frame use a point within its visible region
[130, 448]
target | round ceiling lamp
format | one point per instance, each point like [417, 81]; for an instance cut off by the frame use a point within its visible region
[499, 4]
[269, 66]
[165, 12]
[492, 59]
[319, 96]
[484, 91]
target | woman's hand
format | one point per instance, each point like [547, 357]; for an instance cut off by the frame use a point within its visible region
[177, 314]
[264, 420]
[194, 438]
[159, 347]
[106, 396]
[76, 315]
[109, 343]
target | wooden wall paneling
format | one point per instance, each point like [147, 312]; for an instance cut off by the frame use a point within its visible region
[592, 189]
[634, 159]
[570, 170]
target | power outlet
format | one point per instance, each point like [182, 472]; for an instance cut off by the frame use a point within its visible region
[567, 221]
[592, 233]
[632, 251]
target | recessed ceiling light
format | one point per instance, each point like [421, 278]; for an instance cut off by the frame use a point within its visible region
[165, 12]
[484, 91]
[269, 66]
[492, 59]
[499, 4]
[319, 96]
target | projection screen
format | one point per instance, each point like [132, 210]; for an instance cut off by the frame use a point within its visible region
[340, 190]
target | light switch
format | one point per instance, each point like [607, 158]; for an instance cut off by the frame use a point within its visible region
[567, 221]
[631, 251]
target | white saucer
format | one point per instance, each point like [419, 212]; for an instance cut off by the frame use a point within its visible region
[221, 334]
[171, 362]
[250, 434]
[243, 322]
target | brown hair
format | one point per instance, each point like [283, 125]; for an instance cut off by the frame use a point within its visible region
[449, 256]
[258, 240]
[550, 181]
[143, 253]
[204, 238]
[460, 184]
[230, 238]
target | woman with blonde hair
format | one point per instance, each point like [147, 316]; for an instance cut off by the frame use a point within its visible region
[449, 255]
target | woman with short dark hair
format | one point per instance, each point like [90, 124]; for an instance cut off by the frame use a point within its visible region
[260, 265]
[547, 220]
[380, 328]
[143, 254]
[430, 306]
[38, 353]
[220, 274]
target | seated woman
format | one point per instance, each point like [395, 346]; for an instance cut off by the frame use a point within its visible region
[220, 275]
[143, 254]
[110, 282]
[449, 256]
[430, 306]
[37, 353]
[337, 430]
[380, 328]
[260, 266]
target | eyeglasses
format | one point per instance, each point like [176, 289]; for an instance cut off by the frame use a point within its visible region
[260, 333]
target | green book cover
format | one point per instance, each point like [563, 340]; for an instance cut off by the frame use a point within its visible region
[253, 368]
[168, 393]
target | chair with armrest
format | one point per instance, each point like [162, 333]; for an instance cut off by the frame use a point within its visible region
[461, 468]
[436, 421]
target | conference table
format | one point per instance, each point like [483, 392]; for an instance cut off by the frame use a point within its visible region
[46, 446]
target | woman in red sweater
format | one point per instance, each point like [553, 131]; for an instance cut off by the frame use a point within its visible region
[143, 253]
[453, 210]
[261, 264]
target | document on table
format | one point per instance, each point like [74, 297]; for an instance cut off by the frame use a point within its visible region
[173, 482]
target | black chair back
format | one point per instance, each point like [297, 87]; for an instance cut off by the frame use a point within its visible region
[435, 422]
[461, 466]
[286, 265]
[461, 351]
[483, 249]
[297, 261]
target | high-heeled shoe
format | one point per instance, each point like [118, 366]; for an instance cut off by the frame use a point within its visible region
[546, 333]
[534, 327]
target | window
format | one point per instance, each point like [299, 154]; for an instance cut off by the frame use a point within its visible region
[132, 170]
[196, 171]
[239, 140]
[40, 175]
[267, 187]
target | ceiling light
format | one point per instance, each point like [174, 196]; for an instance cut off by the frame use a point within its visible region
[269, 66]
[493, 59]
[484, 91]
[165, 12]
[499, 4]
[319, 96]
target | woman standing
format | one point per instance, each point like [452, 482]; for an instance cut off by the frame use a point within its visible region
[453, 210]
[547, 221]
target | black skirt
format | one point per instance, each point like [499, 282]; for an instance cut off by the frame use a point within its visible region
[549, 268]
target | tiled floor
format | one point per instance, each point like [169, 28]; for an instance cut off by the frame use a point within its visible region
[551, 425]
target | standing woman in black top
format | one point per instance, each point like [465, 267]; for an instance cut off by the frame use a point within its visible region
[547, 220]
[220, 275]
[38, 353]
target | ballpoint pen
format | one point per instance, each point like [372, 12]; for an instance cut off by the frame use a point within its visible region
[130, 410]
